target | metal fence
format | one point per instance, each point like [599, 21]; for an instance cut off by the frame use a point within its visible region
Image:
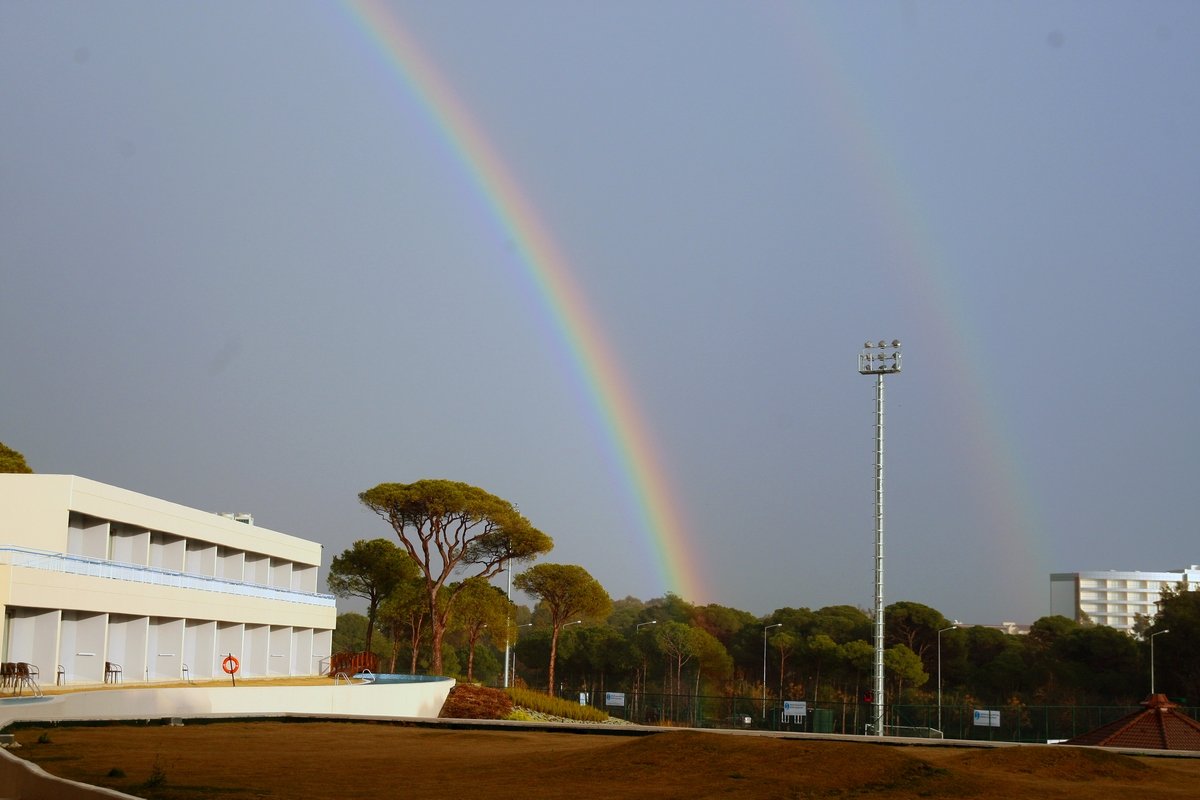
[1000, 723]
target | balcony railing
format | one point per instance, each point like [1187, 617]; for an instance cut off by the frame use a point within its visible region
[155, 576]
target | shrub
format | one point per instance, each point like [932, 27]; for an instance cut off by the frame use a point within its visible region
[158, 776]
[476, 702]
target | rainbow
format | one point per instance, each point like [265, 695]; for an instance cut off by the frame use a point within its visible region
[925, 274]
[550, 272]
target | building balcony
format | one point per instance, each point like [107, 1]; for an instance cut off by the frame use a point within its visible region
[112, 570]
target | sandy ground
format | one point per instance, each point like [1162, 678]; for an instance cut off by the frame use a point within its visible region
[345, 761]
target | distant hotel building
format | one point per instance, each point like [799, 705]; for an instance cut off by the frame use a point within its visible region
[1114, 598]
[99, 583]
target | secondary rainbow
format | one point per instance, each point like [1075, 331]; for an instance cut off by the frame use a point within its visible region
[550, 272]
[895, 206]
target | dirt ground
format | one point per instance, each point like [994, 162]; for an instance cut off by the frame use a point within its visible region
[346, 761]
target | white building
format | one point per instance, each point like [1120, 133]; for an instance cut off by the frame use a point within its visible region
[92, 575]
[1115, 598]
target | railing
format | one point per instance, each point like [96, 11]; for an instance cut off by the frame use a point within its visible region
[155, 576]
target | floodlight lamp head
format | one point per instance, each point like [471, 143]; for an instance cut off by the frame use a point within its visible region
[882, 343]
[868, 345]
[895, 342]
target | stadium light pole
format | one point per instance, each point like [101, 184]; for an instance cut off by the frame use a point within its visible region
[1159, 633]
[764, 705]
[879, 360]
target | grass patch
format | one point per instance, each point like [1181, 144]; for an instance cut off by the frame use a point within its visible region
[555, 706]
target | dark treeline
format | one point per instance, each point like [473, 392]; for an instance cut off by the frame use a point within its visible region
[669, 646]
[430, 621]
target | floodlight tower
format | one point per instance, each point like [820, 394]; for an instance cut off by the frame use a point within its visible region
[879, 359]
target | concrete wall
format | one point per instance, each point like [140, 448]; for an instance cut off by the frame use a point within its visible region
[37, 511]
[20, 780]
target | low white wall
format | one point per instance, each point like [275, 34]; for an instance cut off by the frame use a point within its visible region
[21, 780]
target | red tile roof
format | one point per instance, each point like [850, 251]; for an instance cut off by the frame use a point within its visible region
[1160, 726]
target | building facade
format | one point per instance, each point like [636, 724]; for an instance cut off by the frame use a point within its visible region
[100, 583]
[1115, 598]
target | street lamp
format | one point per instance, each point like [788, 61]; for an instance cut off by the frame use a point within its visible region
[513, 654]
[508, 610]
[1159, 633]
[640, 696]
[939, 642]
[764, 705]
[879, 360]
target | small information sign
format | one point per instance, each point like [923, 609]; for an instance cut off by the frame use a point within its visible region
[794, 709]
[614, 699]
[987, 719]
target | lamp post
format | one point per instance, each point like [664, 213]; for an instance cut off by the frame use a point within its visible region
[507, 569]
[879, 360]
[764, 704]
[939, 642]
[1159, 633]
[513, 654]
[640, 685]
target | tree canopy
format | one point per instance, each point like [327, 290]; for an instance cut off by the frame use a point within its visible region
[12, 461]
[480, 610]
[370, 569]
[1177, 651]
[568, 591]
[448, 526]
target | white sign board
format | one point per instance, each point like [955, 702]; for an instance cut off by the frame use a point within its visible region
[794, 709]
[614, 699]
[987, 719]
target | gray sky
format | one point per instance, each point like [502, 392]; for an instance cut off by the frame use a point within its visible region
[244, 268]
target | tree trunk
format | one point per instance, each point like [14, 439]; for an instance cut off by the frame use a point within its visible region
[436, 645]
[415, 626]
[553, 656]
[370, 626]
[437, 626]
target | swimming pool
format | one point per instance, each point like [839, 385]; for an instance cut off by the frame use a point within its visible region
[20, 701]
[390, 678]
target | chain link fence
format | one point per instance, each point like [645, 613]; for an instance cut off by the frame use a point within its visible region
[1009, 722]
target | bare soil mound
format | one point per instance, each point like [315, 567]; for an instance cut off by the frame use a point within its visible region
[1062, 763]
[699, 764]
[351, 760]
